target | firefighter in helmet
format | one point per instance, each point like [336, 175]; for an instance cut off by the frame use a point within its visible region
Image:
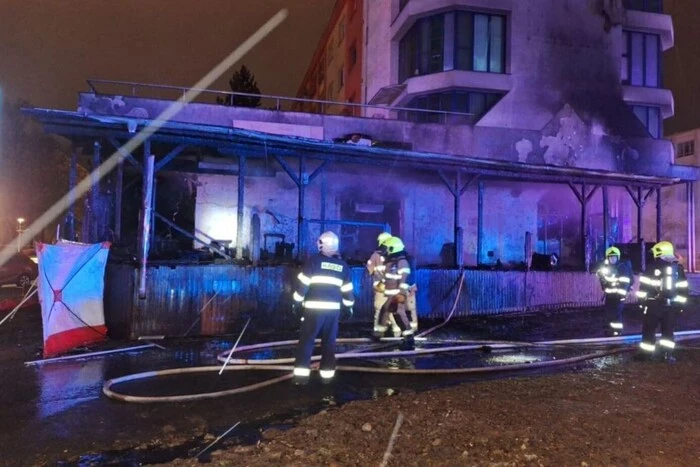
[376, 267]
[615, 277]
[663, 289]
[396, 290]
[324, 289]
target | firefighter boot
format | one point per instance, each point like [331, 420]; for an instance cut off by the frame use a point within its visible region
[668, 357]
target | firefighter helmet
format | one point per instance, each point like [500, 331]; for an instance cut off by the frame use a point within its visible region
[394, 245]
[328, 243]
[662, 249]
[382, 238]
[612, 251]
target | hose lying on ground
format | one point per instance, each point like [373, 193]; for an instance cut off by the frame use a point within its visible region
[275, 364]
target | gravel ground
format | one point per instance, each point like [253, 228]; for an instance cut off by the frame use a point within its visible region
[628, 413]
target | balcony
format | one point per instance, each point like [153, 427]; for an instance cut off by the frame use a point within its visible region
[416, 9]
[656, 97]
[655, 23]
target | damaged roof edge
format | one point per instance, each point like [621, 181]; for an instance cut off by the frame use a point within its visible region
[215, 133]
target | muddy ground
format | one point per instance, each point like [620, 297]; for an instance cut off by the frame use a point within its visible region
[610, 411]
[631, 413]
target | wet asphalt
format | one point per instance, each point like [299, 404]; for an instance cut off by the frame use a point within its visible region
[56, 414]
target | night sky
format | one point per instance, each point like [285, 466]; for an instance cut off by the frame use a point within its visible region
[48, 48]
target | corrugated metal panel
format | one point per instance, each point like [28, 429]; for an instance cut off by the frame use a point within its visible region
[562, 290]
[694, 284]
[119, 300]
[176, 295]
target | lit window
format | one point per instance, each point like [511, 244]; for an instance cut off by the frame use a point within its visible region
[650, 117]
[455, 40]
[640, 64]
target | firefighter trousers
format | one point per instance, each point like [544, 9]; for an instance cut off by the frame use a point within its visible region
[655, 314]
[613, 311]
[388, 320]
[315, 322]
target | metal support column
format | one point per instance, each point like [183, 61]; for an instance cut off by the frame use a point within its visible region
[324, 188]
[95, 193]
[658, 214]
[690, 198]
[457, 190]
[480, 222]
[145, 224]
[606, 218]
[584, 197]
[301, 227]
[72, 180]
[241, 205]
[118, 195]
[153, 208]
[584, 230]
[640, 200]
[302, 181]
[640, 208]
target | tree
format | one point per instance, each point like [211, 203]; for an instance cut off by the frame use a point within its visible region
[242, 81]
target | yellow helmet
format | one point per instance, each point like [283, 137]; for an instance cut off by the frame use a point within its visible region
[612, 251]
[382, 238]
[394, 245]
[662, 249]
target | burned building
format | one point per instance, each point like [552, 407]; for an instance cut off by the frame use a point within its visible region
[489, 131]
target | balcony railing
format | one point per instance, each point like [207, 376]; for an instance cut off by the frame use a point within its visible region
[278, 103]
[652, 6]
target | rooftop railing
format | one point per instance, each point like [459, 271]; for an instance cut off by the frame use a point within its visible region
[278, 103]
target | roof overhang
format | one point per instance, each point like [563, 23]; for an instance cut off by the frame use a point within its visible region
[254, 144]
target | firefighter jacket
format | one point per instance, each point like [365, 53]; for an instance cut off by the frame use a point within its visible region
[376, 268]
[324, 284]
[664, 282]
[615, 279]
[396, 276]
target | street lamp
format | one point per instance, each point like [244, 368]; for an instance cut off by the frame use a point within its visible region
[20, 221]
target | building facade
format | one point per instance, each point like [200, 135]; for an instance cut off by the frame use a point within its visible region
[335, 72]
[675, 199]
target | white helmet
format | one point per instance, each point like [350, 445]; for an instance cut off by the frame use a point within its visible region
[328, 243]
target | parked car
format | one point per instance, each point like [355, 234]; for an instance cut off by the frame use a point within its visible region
[19, 270]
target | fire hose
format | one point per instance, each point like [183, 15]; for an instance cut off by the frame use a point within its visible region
[277, 364]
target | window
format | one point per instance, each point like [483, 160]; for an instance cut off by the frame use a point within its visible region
[421, 49]
[341, 78]
[479, 42]
[686, 148]
[652, 6]
[650, 117]
[475, 103]
[641, 59]
[353, 55]
[455, 40]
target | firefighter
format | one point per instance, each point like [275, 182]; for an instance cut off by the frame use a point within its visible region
[396, 291]
[324, 288]
[663, 288]
[376, 268]
[615, 279]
